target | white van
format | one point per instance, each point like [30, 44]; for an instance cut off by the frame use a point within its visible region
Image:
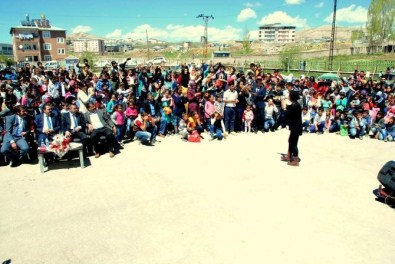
[49, 65]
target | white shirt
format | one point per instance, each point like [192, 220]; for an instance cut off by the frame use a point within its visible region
[96, 123]
[230, 96]
[72, 123]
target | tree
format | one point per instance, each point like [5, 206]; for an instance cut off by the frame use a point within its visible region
[7, 60]
[289, 55]
[246, 42]
[380, 20]
[356, 35]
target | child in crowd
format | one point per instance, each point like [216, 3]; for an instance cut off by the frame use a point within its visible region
[319, 121]
[377, 125]
[388, 133]
[305, 119]
[131, 114]
[219, 105]
[217, 127]
[327, 119]
[368, 121]
[118, 117]
[357, 125]
[335, 122]
[182, 127]
[209, 110]
[248, 117]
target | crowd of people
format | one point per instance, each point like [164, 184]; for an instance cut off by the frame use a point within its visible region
[147, 102]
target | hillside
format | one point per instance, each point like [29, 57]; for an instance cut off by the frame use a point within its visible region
[342, 33]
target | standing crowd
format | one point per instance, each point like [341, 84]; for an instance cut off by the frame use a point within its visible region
[149, 102]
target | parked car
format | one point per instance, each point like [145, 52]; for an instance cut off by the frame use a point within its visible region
[48, 65]
[157, 60]
[101, 63]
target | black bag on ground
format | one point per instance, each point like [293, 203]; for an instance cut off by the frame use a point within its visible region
[386, 175]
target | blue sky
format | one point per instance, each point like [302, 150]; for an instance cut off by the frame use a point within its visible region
[174, 20]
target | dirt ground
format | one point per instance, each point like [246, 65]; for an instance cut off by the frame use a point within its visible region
[215, 202]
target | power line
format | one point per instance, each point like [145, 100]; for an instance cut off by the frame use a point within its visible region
[206, 19]
[332, 46]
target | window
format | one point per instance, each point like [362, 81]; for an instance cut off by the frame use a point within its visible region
[60, 40]
[47, 46]
[47, 57]
[46, 34]
[61, 51]
[28, 58]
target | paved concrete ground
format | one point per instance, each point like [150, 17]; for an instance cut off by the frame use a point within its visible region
[214, 202]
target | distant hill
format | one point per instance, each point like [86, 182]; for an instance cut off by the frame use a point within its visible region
[76, 36]
[342, 33]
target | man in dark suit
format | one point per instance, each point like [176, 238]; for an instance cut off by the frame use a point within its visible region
[47, 125]
[17, 129]
[259, 94]
[100, 124]
[73, 125]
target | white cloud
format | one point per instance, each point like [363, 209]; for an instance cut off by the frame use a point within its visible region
[249, 4]
[245, 14]
[117, 33]
[294, 2]
[319, 5]
[283, 18]
[81, 29]
[183, 33]
[351, 14]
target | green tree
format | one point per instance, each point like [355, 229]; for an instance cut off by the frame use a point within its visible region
[246, 42]
[289, 56]
[380, 20]
[356, 35]
[7, 60]
[90, 56]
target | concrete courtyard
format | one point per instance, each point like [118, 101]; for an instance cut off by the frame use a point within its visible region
[230, 202]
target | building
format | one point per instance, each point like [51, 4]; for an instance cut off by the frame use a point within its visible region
[276, 33]
[90, 45]
[6, 50]
[37, 40]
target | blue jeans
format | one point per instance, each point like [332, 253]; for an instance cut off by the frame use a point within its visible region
[385, 134]
[129, 122]
[320, 127]
[269, 123]
[143, 136]
[162, 126]
[334, 127]
[230, 115]
[217, 131]
[119, 133]
[357, 132]
[306, 125]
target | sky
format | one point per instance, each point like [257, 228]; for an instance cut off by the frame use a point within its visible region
[175, 20]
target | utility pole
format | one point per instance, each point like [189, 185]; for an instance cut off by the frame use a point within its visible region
[146, 35]
[206, 19]
[332, 46]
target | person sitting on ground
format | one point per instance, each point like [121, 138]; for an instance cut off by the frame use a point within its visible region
[319, 121]
[100, 124]
[270, 112]
[145, 129]
[217, 127]
[152, 108]
[182, 127]
[194, 123]
[388, 133]
[377, 125]
[357, 125]
[335, 122]
[305, 119]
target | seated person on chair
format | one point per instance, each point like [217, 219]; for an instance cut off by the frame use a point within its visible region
[74, 125]
[47, 125]
[17, 129]
[100, 124]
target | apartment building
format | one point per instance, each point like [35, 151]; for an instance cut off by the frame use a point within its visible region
[91, 45]
[6, 50]
[276, 33]
[37, 40]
